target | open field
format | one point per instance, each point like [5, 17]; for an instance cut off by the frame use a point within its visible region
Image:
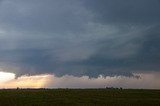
[80, 97]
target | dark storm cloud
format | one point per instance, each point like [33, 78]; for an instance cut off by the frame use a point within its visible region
[147, 57]
[126, 11]
[78, 38]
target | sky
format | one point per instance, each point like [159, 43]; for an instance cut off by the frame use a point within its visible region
[80, 43]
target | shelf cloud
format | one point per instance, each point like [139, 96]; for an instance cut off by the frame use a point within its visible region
[80, 37]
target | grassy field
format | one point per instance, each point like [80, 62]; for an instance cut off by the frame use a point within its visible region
[80, 97]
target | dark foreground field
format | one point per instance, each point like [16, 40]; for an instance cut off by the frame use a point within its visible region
[85, 97]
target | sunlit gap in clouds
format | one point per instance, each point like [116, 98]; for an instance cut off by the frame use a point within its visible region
[145, 81]
[9, 80]
[4, 76]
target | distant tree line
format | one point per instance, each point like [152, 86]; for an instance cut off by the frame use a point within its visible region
[120, 88]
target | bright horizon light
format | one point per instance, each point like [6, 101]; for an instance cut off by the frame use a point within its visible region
[7, 80]
[6, 76]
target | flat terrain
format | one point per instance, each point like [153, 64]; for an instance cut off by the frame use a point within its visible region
[80, 97]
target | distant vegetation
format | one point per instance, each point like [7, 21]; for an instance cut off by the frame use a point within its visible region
[114, 88]
[79, 97]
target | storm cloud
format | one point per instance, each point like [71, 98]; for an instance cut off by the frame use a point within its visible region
[80, 37]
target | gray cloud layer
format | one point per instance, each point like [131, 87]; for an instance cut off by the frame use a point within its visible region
[76, 37]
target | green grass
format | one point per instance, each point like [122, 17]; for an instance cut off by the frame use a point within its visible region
[80, 97]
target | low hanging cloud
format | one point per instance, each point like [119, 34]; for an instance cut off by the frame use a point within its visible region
[145, 81]
[79, 37]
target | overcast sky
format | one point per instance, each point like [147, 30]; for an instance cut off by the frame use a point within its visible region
[80, 37]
